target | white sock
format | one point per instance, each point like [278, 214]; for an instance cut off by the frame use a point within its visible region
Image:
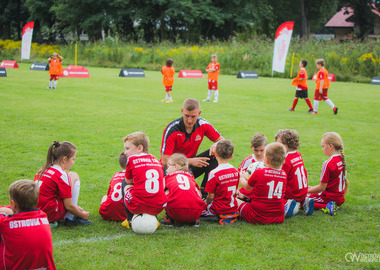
[50, 84]
[170, 98]
[316, 103]
[167, 97]
[216, 94]
[209, 94]
[74, 198]
[55, 83]
[330, 103]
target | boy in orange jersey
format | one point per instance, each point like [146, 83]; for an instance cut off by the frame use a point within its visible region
[212, 77]
[168, 72]
[322, 86]
[301, 83]
[55, 69]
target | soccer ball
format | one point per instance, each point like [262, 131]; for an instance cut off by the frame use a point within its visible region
[144, 224]
[254, 166]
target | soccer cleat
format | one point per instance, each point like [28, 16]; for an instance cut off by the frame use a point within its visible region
[167, 221]
[76, 221]
[335, 110]
[296, 208]
[196, 224]
[308, 206]
[127, 224]
[291, 110]
[53, 88]
[204, 194]
[215, 101]
[48, 87]
[227, 221]
[289, 208]
[164, 100]
[53, 225]
[330, 209]
[206, 100]
[313, 112]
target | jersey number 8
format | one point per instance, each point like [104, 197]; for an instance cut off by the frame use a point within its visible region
[151, 184]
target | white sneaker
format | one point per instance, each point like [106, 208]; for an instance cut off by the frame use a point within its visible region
[308, 206]
[215, 101]
[289, 207]
[296, 208]
[207, 100]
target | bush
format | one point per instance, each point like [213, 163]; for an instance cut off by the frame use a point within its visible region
[350, 61]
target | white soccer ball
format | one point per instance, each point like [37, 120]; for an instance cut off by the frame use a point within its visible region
[144, 224]
[254, 166]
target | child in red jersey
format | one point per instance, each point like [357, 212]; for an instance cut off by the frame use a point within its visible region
[185, 204]
[333, 186]
[55, 69]
[25, 236]
[59, 190]
[322, 85]
[222, 185]
[301, 87]
[112, 205]
[258, 143]
[168, 80]
[269, 186]
[212, 77]
[297, 185]
[144, 179]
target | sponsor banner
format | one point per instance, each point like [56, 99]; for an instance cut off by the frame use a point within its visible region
[26, 43]
[190, 74]
[3, 72]
[281, 46]
[330, 76]
[75, 67]
[75, 73]
[39, 66]
[126, 72]
[375, 81]
[247, 75]
[9, 64]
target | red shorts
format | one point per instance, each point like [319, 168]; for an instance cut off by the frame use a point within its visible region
[58, 213]
[54, 77]
[136, 207]
[212, 85]
[168, 88]
[183, 215]
[248, 213]
[112, 211]
[318, 96]
[321, 200]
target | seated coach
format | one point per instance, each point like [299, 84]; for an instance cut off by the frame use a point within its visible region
[185, 135]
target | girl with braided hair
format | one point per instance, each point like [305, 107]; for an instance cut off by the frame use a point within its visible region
[333, 187]
[59, 190]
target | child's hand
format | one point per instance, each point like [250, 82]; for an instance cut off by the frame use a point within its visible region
[86, 215]
[80, 209]
[244, 175]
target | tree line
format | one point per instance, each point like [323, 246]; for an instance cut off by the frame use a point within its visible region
[191, 21]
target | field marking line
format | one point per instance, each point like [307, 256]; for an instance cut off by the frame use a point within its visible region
[89, 240]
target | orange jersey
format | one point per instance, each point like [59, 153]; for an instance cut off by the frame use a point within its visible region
[213, 75]
[55, 66]
[168, 73]
[302, 85]
[322, 74]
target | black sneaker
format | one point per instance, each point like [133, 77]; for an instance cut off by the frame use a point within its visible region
[77, 221]
[196, 224]
[204, 194]
[310, 110]
[167, 221]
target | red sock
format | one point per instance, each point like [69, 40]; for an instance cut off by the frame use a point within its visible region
[319, 205]
[308, 102]
[295, 101]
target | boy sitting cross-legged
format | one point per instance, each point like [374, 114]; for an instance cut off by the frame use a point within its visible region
[222, 185]
[143, 187]
[268, 185]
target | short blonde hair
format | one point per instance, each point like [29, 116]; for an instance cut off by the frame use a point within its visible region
[138, 138]
[180, 160]
[24, 193]
[320, 62]
[258, 140]
[214, 55]
[276, 154]
[289, 137]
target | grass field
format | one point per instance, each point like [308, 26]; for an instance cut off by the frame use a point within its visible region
[96, 113]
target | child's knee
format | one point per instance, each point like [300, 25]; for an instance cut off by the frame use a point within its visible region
[103, 199]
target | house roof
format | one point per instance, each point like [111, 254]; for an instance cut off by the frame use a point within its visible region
[340, 18]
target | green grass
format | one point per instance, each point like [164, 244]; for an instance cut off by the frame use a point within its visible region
[96, 113]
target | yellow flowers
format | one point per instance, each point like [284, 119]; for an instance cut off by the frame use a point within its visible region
[368, 57]
[39, 50]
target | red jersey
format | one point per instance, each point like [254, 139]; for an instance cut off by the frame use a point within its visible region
[147, 174]
[55, 185]
[267, 205]
[301, 85]
[297, 184]
[168, 73]
[183, 191]
[113, 207]
[223, 181]
[177, 140]
[322, 74]
[26, 241]
[213, 75]
[55, 66]
[332, 174]
[246, 162]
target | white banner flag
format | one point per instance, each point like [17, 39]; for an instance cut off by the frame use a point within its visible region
[281, 46]
[26, 44]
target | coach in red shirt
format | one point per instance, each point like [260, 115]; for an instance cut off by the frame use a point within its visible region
[185, 135]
